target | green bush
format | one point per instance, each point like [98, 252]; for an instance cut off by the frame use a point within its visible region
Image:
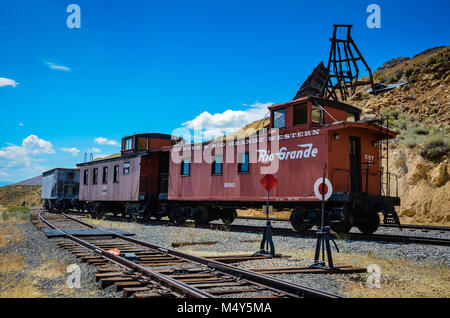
[378, 76]
[431, 60]
[15, 212]
[435, 145]
[409, 141]
[409, 71]
[435, 150]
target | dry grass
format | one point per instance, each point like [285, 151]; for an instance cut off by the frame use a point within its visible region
[400, 278]
[188, 250]
[13, 265]
[16, 195]
[21, 289]
[9, 233]
[11, 287]
[50, 269]
[13, 214]
[116, 225]
[260, 214]
[11, 262]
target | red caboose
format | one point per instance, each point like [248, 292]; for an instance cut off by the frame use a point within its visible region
[210, 180]
[129, 183]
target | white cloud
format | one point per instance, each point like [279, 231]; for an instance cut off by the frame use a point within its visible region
[7, 82]
[227, 122]
[94, 150]
[20, 124]
[105, 141]
[73, 151]
[54, 66]
[21, 159]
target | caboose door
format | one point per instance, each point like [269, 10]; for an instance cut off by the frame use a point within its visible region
[355, 164]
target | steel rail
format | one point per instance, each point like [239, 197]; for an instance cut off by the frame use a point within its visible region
[169, 282]
[263, 279]
[354, 236]
[404, 226]
[311, 233]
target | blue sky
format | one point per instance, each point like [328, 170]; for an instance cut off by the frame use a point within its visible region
[146, 66]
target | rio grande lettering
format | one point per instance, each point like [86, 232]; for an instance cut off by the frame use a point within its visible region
[306, 152]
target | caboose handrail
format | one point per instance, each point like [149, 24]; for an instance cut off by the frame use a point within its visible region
[373, 173]
[348, 176]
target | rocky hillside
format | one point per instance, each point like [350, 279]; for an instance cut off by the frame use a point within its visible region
[426, 97]
[16, 195]
[420, 112]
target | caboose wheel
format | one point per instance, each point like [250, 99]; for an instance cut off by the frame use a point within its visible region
[297, 220]
[202, 216]
[369, 224]
[228, 216]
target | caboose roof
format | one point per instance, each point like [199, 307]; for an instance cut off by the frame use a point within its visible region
[143, 153]
[321, 102]
[54, 169]
[151, 135]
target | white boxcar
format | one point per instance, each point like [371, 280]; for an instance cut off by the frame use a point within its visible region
[60, 188]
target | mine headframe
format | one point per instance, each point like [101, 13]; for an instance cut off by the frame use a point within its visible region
[339, 79]
[342, 65]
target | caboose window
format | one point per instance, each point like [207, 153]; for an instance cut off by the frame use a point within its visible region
[351, 117]
[316, 115]
[128, 143]
[301, 114]
[94, 176]
[185, 167]
[126, 168]
[116, 174]
[279, 118]
[105, 175]
[216, 167]
[243, 163]
[85, 176]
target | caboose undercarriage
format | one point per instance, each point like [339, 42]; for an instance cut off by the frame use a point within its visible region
[343, 211]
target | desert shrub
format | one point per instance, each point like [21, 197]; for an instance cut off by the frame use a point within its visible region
[15, 212]
[431, 60]
[436, 145]
[409, 71]
[379, 76]
[418, 128]
[394, 77]
[409, 141]
[392, 113]
[435, 150]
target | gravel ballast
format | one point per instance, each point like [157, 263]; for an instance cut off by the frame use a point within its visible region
[38, 250]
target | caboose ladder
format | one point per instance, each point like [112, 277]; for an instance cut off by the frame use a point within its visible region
[390, 215]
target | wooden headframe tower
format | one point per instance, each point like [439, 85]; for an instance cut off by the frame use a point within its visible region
[342, 65]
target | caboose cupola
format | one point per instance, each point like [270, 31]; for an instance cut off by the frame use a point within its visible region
[144, 142]
[310, 112]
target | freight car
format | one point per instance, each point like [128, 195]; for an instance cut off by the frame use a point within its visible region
[60, 189]
[158, 175]
[305, 135]
[128, 184]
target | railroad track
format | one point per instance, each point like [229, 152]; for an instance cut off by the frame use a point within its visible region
[413, 227]
[147, 270]
[309, 233]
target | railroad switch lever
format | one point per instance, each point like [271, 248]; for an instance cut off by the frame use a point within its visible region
[267, 241]
[268, 182]
[323, 245]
